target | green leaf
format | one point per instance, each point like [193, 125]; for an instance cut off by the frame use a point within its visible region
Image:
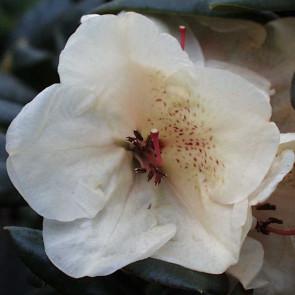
[8, 111]
[239, 290]
[293, 92]
[29, 246]
[26, 56]
[9, 196]
[14, 90]
[184, 7]
[3, 153]
[176, 276]
[260, 5]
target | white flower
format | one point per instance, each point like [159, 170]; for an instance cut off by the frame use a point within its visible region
[267, 262]
[70, 160]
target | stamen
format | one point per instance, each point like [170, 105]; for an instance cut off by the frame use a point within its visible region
[266, 206]
[140, 170]
[150, 175]
[263, 227]
[182, 30]
[280, 231]
[148, 154]
[155, 138]
[138, 135]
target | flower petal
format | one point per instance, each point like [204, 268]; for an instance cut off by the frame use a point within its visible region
[65, 165]
[125, 231]
[249, 265]
[223, 131]
[209, 242]
[281, 166]
[134, 40]
[252, 77]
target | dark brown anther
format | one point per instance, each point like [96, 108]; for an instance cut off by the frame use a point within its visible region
[275, 220]
[262, 226]
[157, 179]
[140, 170]
[266, 206]
[138, 135]
[138, 146]
[150, 175]
[131, 139]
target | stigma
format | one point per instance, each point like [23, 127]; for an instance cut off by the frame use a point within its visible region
[148, 154]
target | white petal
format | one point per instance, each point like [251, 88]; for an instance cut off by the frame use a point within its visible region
[66, 165]
[209, 242]
[170, 24]
[287, 141]
[252, 77]
[282, 165]
[249, 265]
[126, 230]
[113, 44]
[85, 18]
[221, 131]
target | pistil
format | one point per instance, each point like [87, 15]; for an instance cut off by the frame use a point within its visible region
[182, 30]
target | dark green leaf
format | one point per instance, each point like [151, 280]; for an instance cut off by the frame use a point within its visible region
[3, 153]
[239, 290]
[9, 197]
[26, 56]
[14, 90]
[38, 21]
[34, 280]
[41, 22]
[185, 7]
[293, 92]
[261, 5]
[8, 111]
[176, 276]
[29, 247]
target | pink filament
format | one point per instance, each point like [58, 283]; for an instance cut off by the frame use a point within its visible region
[182, 30]
[280, 232]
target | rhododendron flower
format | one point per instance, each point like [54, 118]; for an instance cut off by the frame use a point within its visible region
[131, 100]
[267, 261]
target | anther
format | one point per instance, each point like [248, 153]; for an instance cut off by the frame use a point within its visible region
[150, 175]
[182, 30]
[140, 170]
[138, 135]
[266, 206]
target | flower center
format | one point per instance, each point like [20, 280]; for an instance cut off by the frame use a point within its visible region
[148, 154]
[263, 226]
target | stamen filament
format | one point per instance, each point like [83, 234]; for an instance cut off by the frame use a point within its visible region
[155, 138]
[182, 30]
[280, 232]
